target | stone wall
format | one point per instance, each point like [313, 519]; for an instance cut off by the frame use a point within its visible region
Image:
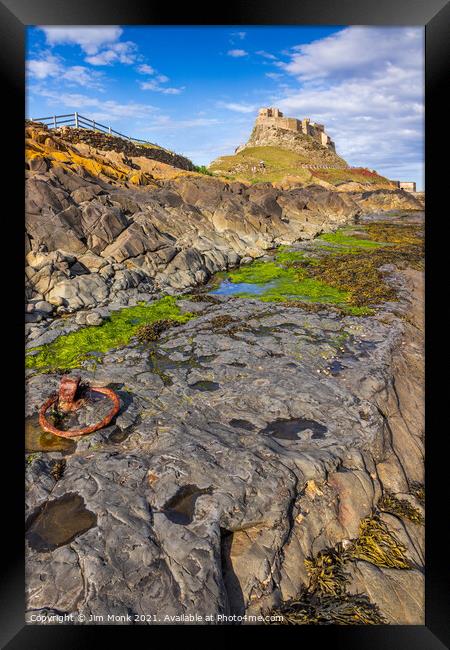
[273, 117]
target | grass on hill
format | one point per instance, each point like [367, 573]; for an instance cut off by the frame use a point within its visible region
[279, 163]
[356, 175]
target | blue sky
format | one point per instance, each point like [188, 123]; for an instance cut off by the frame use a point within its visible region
[196, 90]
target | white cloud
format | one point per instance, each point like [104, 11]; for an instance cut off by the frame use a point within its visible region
[266, 55]
[156, 81]
[366, 85]
[106, 110]
[101, 45]
[238, 107]
[52, 67]
[90, 39]
[274, 75]
[146, 69]
[165, 90]
[357, 51]
[237, 53]
[124, 52]
[164, 122]
[43, 68]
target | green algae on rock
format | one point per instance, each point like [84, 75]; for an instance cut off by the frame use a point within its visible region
[344, 273]
[342, 239]
[284, 283]
[70, 350]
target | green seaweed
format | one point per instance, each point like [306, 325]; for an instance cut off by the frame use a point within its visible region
[287, 257]
[258, 273]
[418, 490]
[285, 284]
[70, 350]
[352, 242]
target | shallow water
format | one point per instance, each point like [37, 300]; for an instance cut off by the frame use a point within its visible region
[180, 508]
[205, 386]
[58, 522]
[228, 288]
[36, 439]
[284, 429]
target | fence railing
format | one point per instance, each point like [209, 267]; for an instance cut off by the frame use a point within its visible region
[80, 122]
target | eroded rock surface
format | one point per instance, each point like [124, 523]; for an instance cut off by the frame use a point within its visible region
[249, 439]
[199, 506]
[100, 228]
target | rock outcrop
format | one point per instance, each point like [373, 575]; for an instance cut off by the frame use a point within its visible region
[92, 238]
[253, 437]
[255, 445]
[313, 151]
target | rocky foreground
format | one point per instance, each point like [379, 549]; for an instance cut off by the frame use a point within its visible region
[267, 458]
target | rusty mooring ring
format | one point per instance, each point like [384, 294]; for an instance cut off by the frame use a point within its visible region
[66, 399]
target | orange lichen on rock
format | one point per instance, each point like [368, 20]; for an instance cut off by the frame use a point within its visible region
[111, 166]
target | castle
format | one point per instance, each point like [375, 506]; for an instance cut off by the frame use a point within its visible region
[274, 117]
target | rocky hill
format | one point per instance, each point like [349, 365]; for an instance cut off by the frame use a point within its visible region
[276, 154]
[268, 451]
[105, 142]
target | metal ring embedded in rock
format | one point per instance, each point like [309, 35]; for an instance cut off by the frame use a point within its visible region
[66, 398]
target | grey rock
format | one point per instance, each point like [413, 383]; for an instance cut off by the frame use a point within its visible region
[94, 318]
[44, 307]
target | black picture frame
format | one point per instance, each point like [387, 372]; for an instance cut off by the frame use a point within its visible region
[434, 15]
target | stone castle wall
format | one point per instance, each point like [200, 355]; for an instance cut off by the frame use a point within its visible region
[274, 117]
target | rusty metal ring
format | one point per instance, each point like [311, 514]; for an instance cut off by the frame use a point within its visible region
[45, 424]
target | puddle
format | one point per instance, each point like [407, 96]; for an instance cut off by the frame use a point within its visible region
[119, 435]
[205, 386]
[366, 345]
[288, 429]
[180, 508]
[36, 439]
[228, 288]
[59, 522]
[336, 367]
[242, 424]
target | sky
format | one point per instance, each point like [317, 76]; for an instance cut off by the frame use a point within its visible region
[197, 90]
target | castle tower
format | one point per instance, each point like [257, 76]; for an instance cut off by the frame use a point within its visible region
[271, 117]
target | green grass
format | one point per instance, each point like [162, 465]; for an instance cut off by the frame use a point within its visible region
[202, 169]
[336, 176]
[278, 163]
[70, 350]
